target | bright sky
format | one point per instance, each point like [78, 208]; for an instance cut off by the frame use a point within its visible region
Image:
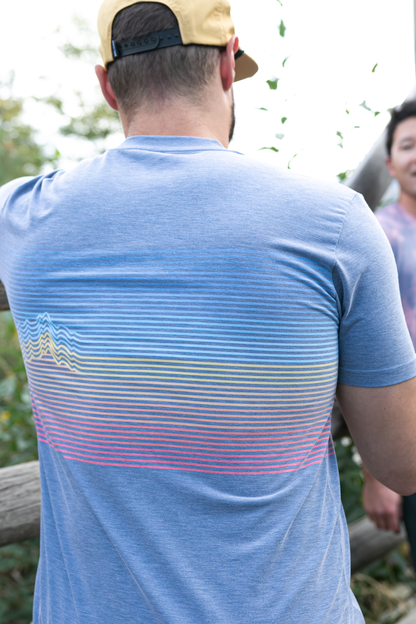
[332, 47]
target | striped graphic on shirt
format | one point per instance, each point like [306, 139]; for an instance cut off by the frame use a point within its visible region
[184, 372]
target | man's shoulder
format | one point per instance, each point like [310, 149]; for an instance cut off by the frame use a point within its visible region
[297, 185]
[243, 172]
[7, 189]
[43, 182]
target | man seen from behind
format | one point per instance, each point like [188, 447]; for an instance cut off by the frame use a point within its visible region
[186, 315]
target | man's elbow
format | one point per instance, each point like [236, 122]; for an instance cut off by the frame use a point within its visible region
[401, 481]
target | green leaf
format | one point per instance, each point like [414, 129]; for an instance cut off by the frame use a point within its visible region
[341, 176]
[376, 113]
[283, 119]
[282, 28]
[20, 153]
[347, 111]
[355, 127]
[291, 160]
[274, 149]
[339, 134]
[284, 61]
[273, 83]
[263, 109]
[364, 105]
[280, 2]
[83, 53]
[374, 68]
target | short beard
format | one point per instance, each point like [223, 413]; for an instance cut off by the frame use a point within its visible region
[232, 126]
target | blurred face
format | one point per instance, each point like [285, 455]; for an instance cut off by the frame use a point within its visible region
[402, 162]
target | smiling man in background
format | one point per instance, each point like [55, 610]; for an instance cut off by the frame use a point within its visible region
[398, 220]
[186, 315]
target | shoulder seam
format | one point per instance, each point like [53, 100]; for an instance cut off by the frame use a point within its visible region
[354, 197]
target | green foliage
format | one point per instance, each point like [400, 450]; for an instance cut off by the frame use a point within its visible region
[274, 149]
[374, 68]
[20, 154]
[351, 478]
[340, 136]
[282, 28]
[18, 562]
[367, 108]
[383, 588]
[17, 430]
[93, 121]
[273, 83]
[84, 51]
[292, 159]
[283, 120]
[343, 175]
[364, 106]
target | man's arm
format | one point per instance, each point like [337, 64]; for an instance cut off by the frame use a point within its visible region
[382, 505]
[382, 422]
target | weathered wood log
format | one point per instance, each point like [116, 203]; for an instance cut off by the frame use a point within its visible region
[4, 304]
[410, 618]
[20, 517]
[19, 503]
[369, 543]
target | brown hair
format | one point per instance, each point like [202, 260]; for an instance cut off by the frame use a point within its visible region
[180, 70]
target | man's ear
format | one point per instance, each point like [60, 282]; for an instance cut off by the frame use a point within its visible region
[108, 93]
[390, 167]
[228, 63]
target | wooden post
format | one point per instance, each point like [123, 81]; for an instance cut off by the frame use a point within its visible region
[4, 304]
[368, 543]
[19, 503]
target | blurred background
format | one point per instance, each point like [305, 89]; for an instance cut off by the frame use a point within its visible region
[329, 72]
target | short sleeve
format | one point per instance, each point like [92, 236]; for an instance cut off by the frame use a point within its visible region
[7, 189]
[375, 348]
[7, 192]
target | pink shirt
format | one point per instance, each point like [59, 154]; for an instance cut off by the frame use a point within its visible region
[400, 228]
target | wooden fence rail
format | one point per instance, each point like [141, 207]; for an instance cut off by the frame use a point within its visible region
[4, 304]
[19, 503]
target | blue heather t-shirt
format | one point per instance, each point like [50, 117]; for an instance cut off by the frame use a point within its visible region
[185, 313]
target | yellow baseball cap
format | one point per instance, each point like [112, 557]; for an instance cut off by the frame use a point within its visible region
[203, 22]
